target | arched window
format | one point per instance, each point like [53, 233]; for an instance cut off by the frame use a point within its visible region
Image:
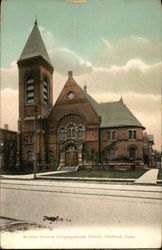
[80, 132]
[46, 90]
[62, 134]
[29, 91]
[132, 152]
[50, 156]
[111, 154]
[29, 155]
[71, 131]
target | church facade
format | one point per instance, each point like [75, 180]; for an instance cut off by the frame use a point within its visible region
[77, 131]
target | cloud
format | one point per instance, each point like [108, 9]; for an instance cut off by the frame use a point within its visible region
[76, 1]
[134, 76]
[132, 47]
[122, 71]
[64, 60]
[9, 76]
[9, 108]
[146, 108]
[47, 38]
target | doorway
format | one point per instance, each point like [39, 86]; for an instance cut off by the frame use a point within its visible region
[71, 157]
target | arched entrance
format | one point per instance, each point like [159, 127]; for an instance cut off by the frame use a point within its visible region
[70, 154]
[71, 157]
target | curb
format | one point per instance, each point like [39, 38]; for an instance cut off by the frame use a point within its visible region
[17, 179]
[98, 180]
[73, 179]
[85, 179]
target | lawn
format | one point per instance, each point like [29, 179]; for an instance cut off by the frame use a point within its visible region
[27, 170]
[134, 174]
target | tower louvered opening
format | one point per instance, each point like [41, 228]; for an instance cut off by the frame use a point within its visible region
[29, 90]
[46, 90]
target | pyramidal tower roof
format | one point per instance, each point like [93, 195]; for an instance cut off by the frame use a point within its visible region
[35, 46]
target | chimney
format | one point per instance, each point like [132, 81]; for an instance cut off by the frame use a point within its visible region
[85, 88]
[70, 74]
[36, 23]
[121, 99]
[6, 126]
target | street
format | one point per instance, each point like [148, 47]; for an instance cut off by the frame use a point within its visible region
[86, 205]
[83, 203]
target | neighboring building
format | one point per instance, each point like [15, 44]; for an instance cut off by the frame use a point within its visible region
[148, 142]
[8, 141]
[77, 130]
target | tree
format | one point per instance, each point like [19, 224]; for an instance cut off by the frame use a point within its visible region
[157, 156]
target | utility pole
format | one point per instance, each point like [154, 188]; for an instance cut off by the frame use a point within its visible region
[35, 141]
[100, 148]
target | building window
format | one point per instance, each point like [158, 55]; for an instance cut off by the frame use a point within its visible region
[109, 135]
[31, 139]
[80, 132]
[111, 154]
[71, 131]
[28, 139]
[29, 155]
[145, 146]
[29, 90]
[132, 134]
[70, 96]
[62, 134]
[112, 135]
[46, 90]
[132, 152]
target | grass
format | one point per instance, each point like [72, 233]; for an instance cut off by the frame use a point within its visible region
[134, 174]
[26, 171]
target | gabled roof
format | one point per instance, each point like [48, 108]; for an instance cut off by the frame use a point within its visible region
[117, 114]
[35, 46]
[93, 102]
[113, 114]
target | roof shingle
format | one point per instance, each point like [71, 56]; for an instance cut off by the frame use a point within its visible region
[114, 114]
[35, 46]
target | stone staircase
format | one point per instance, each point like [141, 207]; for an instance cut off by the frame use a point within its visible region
[67, 168]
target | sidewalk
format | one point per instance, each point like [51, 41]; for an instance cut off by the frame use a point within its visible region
[45, 176]
[21, 177]
[150, 177]
[30, 176]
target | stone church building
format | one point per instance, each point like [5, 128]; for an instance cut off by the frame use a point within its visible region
[77, 131]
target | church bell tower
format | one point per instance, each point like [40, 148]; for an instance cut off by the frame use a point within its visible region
[35, 96]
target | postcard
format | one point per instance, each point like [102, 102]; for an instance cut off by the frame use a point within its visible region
[80, 136]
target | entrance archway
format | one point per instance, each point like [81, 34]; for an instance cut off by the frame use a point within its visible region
[71, 156]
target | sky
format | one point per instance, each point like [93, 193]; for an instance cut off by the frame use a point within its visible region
[114, 46]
